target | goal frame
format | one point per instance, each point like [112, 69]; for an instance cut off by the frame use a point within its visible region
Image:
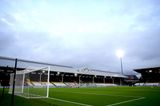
[23, 73]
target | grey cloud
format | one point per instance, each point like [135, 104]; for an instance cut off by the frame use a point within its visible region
[134, 30]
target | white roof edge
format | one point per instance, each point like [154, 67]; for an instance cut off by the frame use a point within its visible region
[87, 71]
[84, 71]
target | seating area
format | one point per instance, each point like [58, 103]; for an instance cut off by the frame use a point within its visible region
[29, 84]
[72, 84]
[147, 84]
[104, 84]
[59, 84]
[75, 84]
[51, 85]
[38, 84]
[96, 84]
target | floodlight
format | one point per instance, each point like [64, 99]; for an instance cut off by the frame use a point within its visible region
[120, 53]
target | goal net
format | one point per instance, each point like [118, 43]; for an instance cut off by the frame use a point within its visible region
[31, 83]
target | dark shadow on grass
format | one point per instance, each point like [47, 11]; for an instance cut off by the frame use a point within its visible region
[20, 101]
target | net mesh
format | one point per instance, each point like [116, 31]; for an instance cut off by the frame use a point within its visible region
[31, 83]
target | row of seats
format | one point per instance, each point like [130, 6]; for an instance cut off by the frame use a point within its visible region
[103, 84]
[68, 84]
[97, 84]
[72, 84]
[43, 84]
[59, 84]
[147, 84]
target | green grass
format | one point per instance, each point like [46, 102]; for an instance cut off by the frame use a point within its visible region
[148, 96]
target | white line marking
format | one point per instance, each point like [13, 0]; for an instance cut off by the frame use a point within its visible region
[82, 104]
[125, 101]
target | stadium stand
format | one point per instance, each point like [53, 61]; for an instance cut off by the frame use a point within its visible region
[62, 76]
[51, 85]
[104, 85]
[59, 84]
[147, 84]
[37, 84]
[131, 80]
[72, 84]
[149, 76]
[28, 82]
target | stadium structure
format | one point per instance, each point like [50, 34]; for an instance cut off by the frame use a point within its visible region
[32, 74]
[60, 85]
[62, 75]
[149, 76]
[131, 80]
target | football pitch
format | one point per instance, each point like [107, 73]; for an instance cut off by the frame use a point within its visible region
[104, 96]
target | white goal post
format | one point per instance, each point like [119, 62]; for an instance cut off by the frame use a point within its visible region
[31, 83]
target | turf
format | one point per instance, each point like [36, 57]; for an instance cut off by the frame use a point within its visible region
[106, 96]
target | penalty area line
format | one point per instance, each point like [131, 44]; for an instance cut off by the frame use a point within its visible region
[62, 100]
[126, 101]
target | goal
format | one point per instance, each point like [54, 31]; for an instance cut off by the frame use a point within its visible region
[31, 83]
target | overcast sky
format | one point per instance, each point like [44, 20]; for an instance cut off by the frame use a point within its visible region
[82, 33]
